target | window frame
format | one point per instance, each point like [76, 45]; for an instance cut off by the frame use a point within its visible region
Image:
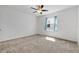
[55, 24]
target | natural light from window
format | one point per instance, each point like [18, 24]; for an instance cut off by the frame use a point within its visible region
[50, 39]
[51, 24]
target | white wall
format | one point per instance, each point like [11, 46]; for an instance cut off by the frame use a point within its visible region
[78, 25]
[67, 24]
[14, 24]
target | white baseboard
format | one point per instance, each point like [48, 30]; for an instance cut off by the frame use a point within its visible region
[11, 38]
[58, 37]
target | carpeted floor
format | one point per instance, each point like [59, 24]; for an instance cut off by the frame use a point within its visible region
[38, 44]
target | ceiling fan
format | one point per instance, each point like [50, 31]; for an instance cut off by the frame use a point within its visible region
[39, 9]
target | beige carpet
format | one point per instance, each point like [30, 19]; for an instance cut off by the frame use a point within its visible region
[38, 44]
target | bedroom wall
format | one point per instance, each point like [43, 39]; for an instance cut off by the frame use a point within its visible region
[14, 24]
[78, 25]
[67, 24]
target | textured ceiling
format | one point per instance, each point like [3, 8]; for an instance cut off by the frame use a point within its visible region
[50, 8]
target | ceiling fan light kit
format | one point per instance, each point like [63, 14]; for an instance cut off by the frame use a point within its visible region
[39, 9]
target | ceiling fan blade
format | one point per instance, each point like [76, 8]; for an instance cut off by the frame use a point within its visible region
[33, 8]
[44, 10]
[34, 11]
[42, 6]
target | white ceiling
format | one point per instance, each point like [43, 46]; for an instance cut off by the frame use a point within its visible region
[50, 8]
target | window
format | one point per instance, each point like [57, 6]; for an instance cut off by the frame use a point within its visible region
[51, 24]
